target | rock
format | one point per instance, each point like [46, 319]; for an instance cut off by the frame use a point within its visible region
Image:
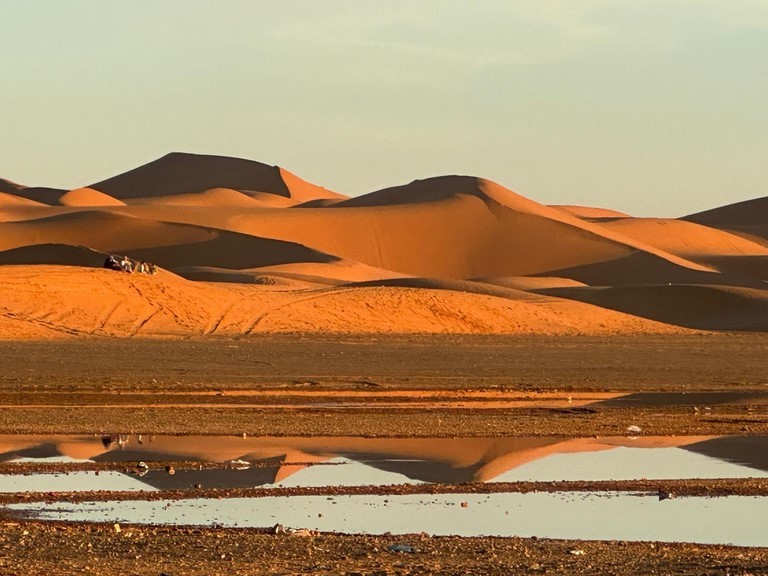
[404, 548]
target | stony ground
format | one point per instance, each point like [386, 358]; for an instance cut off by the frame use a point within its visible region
[436, 386]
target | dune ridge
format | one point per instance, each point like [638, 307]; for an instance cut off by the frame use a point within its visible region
[246, 247]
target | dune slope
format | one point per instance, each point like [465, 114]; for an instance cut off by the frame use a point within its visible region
[178, 173]
[50, 299]
[245, 247]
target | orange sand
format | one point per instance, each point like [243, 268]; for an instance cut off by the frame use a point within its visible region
[246, 247]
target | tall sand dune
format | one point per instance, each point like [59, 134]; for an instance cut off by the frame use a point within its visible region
[178, 173]
[449, 227]
[463, 227]
[166, 244]
[9, 187]
[246, 247]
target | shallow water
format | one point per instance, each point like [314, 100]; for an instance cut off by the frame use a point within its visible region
[269, 462]
[735, 520]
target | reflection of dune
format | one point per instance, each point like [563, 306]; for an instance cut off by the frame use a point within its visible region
[749, 451]
[442, 460]
[457, 254]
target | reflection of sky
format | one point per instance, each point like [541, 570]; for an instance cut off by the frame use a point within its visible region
[618, 463]
[345, 472]
[628, 464]
[71, 482]
[733, 520]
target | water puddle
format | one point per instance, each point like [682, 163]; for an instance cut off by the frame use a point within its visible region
[691, 399]
[735, 520]
[235, 462]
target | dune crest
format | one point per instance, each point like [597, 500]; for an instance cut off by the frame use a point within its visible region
[246, 247]
[9, 186]
[88, 197]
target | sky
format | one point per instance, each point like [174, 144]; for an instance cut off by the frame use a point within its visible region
[655, 108]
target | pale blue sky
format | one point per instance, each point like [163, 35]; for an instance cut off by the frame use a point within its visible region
[650, 107]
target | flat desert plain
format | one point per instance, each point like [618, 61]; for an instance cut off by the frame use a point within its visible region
[449, 330]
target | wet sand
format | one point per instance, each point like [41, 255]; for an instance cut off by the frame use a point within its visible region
[387, 387]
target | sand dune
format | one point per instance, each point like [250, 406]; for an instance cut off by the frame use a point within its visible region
[460, 229]
[335, 272]
[191, 173]
[219, 197]
[700, 307]
[528, 283]
[644, 268]
[48, 196]
[7, 199]
[167, 244]
[686, 239]
[590, 212]
[749, 217]
[129, 305]
[61, 254]
[88, 197]
[263, 250]
[740, 213]
[9, 186]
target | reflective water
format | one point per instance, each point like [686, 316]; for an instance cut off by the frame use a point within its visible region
[733, 520]
[267, 462]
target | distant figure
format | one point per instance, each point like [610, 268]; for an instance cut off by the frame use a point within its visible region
[112, 263]
[125, 264]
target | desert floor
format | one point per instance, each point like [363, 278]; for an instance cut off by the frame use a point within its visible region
[384, 387]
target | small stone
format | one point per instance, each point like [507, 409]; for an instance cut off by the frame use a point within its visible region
[117, 528]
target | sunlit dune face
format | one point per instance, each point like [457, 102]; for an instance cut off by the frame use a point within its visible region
[246, 248]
